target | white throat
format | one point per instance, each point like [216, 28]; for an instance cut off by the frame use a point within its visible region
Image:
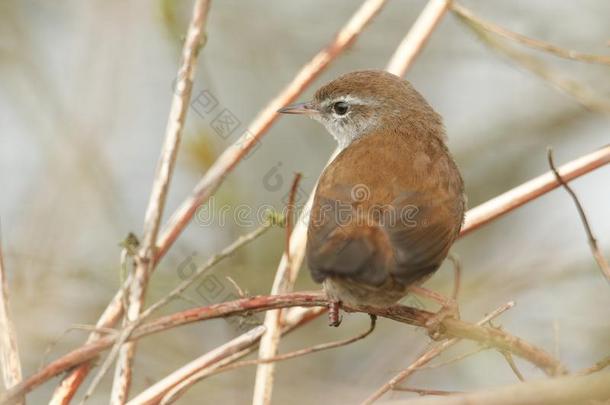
[347, 128]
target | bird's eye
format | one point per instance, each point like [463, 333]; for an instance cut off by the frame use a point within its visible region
[340, 107]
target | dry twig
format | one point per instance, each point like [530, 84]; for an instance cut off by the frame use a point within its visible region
[145, 259]
[493, 337]
[597, 254]
[463, 12]
[430, 354]
[9, 352]
[513, 366]
[177, 291]
[599, 366]
[576, 90]
[455, 359]
[178, 390]
[157, 391]
[569, 390]
[528, 191]
[290, 212]
[418, 35]
[424, 392]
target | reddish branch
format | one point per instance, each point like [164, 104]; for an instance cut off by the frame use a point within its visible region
[496, 338]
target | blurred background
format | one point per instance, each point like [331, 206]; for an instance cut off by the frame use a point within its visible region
[85, 89]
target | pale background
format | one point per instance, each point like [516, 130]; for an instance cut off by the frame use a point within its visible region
[84, 96]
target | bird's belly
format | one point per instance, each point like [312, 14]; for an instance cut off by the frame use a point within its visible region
[354, 293]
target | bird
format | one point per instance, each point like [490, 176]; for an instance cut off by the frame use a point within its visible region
[390, 205]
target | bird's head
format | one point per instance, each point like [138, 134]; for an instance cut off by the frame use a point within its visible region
[367, 101]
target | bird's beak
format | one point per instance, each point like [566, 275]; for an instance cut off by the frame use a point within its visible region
[307, 108]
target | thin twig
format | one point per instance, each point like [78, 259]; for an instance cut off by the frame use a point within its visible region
[600, 365]
[457, 270]
[513, 366]
[290, 212]
[177, 291]
[528, 191]
[9, 352]
[576, 90]
[157, 391]
[527, 41]
[301, 352]
[285, 277]
[430, 354]
[418, 35]
[154, 212]
[568, 390]
[209, 264]
[455, 359]
[78, 327]
[240, 292]
[493, 337]
[122, 338]
[425, 392]
[181, 388]
[597, 254]
[291, 324]
[65, 391]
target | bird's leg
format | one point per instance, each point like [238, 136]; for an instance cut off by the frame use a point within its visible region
[449, 308]
[334, 316]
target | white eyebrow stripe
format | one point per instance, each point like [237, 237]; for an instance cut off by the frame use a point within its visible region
[348, 98]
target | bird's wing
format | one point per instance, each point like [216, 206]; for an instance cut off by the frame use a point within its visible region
[403, 228]
[373, 248]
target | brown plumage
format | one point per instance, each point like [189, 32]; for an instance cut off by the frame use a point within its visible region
[390, 205]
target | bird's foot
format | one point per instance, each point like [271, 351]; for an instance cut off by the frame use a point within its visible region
[334, 315]
[449, 309]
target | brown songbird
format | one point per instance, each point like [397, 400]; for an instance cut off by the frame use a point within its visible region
[390, 205]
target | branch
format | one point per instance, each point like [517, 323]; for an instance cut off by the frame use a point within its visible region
[429, 355]
[418, 35]
[518, 196]
[156, 392]
[290, 325]
[568, 390]
[178, 290]
[423, 392]
[176, 392]
[513, 366]
[597, 254]
[290, 212]
[492, 337]
[9, 352]
[600, 365]
[158, 196]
